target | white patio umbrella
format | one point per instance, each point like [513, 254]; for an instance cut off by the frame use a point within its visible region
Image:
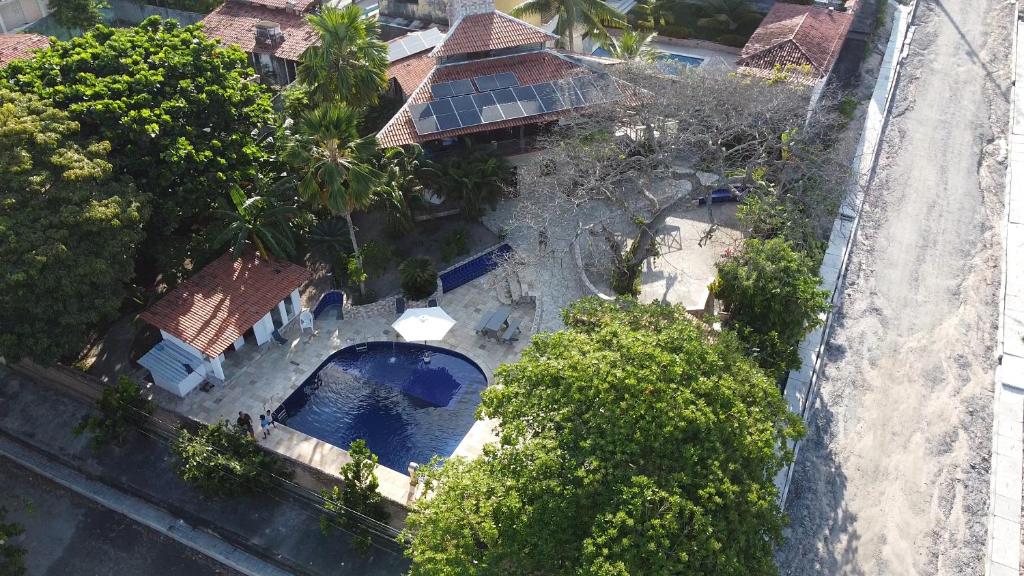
[423, 324]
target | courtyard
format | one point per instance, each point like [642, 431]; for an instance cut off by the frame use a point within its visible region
[260, 378]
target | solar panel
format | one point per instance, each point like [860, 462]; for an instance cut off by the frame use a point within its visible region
[460, 87]
[432, 37]
[414, 43]
[442, 107]
[548, 97]
[423, 118]
[470, 117]
[528, 100]
[459, 110]
[486, 83]
[396, 51]
[441, 90]
[506, 79]
[488, 107]
[448, 122]
[463, 103]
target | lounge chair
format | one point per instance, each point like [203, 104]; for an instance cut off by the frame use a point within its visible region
[399, 305]
[511, 333]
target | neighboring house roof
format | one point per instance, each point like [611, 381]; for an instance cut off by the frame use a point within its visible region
[213, 308]
[20, 46]
[294, 5]
[795, 35]
[235, 23]
[489, 31]
[409, 72]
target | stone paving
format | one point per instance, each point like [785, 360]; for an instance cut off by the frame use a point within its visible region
[260, 378]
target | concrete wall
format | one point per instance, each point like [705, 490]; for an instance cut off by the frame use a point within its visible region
[134, 12]
[20, 13]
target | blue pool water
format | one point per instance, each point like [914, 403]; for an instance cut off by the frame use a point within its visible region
[667, 57]
[406, 409]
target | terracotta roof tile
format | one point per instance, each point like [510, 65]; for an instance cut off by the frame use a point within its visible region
[214, 307]
[489, 31]
[18, 46]
[796, 35]
[235, 23]
[530, 68]
[298, 6]
[409, 72]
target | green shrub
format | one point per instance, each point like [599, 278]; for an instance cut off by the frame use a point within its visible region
[122, 407]
[376, 258]
[12, 558]
[418, 278]
[357, 495]
[771, 293]
[223, 460]
[455, 244]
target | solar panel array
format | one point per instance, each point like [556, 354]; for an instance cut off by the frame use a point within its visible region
[464, 110]
[413, 43]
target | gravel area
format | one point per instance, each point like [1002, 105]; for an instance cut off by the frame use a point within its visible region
[894, 475]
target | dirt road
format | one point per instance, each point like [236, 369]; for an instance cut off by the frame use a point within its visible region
[894, 475]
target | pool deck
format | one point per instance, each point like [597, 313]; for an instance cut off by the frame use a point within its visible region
[260, 378]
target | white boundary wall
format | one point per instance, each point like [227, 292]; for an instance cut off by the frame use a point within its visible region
[802, 384]
[1003, 552]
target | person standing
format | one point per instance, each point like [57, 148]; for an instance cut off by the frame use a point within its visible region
[265, 425]
[270, 418]
[245, 423]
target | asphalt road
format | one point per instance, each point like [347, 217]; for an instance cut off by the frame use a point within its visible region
[66, 533]
[894, 475]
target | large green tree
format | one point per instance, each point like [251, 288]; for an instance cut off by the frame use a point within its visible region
[68, 232]
[585, 15]
[334, 163]
[77, 14]
[350, 63]
[771, 293]
[635, 441]
[177, 108]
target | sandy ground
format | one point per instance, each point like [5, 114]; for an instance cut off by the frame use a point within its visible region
[67, 534]
[894, 475]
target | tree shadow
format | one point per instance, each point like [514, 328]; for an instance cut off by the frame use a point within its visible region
[822, 537]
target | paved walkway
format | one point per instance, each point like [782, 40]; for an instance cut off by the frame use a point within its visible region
[1004, 546]
[140, 511]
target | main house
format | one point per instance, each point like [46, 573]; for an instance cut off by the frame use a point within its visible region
[491, 79]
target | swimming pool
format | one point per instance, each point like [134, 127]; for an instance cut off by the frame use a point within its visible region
[669, 58]
[406, 409]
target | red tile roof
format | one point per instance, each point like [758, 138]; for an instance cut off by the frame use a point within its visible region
[214, 307]
[298, 6]
[19, 46]
[489, 31]
[235, 23]
[795, 35]
[409, 72]
[530, 68]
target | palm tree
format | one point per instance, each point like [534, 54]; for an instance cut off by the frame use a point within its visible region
[335, 163]
[590, 14]
[350, 63]
[474, 182]
[632, 45]
[259, 221]
[725, 14]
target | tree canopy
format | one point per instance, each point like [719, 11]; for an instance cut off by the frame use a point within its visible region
[772, 295]
[633, 442]
[350, 63]
[176, 107]
[68, 231]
